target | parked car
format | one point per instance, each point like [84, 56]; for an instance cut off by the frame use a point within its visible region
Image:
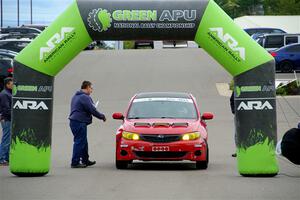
[143, 43]
[162, 126]
[252, 31]
[287, 58]
[6, 65]
[8, 53]
[15, 45]
[274, 41]
[19, 36]
[23, 30]
[40, 27]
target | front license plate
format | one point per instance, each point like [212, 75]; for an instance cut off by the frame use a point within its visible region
[160, 148]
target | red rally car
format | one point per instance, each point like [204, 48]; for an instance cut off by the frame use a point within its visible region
[162, 126]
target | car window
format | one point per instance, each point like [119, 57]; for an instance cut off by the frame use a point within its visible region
[32, 31]
[251, 32]
[277, 31]
[294, 48]
[291, 40]
[274, 41]
[260, 41]
[265, 31]
[162, 108]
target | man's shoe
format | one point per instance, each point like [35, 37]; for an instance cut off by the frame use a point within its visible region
[4, 163]
[90, 163]
[233, 155]
[79, 166]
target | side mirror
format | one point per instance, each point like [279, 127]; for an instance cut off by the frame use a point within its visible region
[118, 116]
[207, 116]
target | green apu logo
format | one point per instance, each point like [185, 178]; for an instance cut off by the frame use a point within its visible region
[246, 89]
[31, 88]
[99, 19]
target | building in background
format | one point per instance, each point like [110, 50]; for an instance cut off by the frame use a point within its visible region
[174, 44]
[290, 24]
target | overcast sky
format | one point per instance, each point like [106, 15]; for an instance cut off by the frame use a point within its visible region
[44, 11]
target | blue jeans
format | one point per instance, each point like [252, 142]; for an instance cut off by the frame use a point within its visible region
[80, 146]
[5, 142]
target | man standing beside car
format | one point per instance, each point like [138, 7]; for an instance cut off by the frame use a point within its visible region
[82, 110]
[5, 112]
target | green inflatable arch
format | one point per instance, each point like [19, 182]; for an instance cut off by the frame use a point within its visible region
[200, 20]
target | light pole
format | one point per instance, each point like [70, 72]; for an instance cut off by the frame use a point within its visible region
[18, 11]
[1, 13]
[30, 11]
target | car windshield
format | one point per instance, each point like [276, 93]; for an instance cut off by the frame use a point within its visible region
[177, 108]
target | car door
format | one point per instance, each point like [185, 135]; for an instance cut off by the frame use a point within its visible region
[294, 55]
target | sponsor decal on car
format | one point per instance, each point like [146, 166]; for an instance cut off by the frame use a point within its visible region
[163, 99]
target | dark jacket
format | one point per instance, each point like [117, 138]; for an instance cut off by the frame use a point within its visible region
[82, 108]
[5, 104]
[290, 145]
[232, 103]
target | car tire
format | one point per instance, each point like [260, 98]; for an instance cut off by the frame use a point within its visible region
[203, 164]
[121, 164]
[286, 66]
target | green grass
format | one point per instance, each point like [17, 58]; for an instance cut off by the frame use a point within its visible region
[28, 158]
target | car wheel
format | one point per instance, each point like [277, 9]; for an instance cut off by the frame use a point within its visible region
[286, 66]
[121, 164]
[203, 164]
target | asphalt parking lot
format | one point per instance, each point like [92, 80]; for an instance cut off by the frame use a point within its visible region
[117, 76]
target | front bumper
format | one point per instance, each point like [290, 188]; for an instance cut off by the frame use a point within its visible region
[174, 151]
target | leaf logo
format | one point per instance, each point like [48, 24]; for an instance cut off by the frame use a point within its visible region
[99, 20]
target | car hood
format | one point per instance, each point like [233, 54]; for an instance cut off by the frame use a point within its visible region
[162, 126]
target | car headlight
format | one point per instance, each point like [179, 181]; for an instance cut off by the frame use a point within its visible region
[191, 136]
[130, 136]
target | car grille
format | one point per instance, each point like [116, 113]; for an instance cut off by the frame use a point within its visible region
[162, 138]
[168, 154]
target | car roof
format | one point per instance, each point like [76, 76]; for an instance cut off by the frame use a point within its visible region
[289, 45]
[163, 94]
[259, 28]
[287, 34]
[8, 51]
[17, 40]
